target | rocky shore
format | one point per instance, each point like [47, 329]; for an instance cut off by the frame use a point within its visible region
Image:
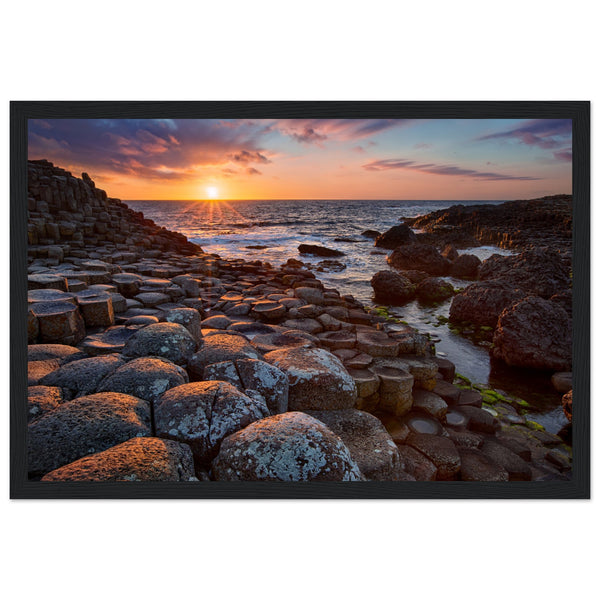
[150, 360]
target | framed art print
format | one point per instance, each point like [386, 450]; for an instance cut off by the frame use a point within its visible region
[300, 299]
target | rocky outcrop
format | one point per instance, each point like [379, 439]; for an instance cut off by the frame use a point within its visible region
[398, 235]
[392, 288]
[318, 250]
[534, 333]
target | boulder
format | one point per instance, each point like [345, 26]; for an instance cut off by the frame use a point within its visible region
[189, 318]
[534, 333]
[392, 288]
[42, 399]
[137, 459]
[318, 250]
[82, 377]
[450, 252]
[317, 379]
[562, 382]
[201, 414]
[38, 369]
[269, 381]
[219, 348]
[52, 351]
[420, 257]
[398, 235]
[465, 266]
[97, 309]
[434, 289]
[167, 340]
[540, 271]
[147, 378]
[481, 303]
[430, 404]
[289, 447]
[84, 426]
[370, 445]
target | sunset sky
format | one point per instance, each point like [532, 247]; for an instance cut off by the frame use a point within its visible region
[185, 159]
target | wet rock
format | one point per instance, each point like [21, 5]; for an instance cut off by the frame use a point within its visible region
[562, 382]
[448, 392]
[202, 414]
[479, 420]
[450, 252]
[420, 257]
[331, 266]
[82, 377]
[534, 333]
[392, 288]
[441, 451]
[42, 399]
[146, 378]
[318, 250]
[567, 405]
[481, 303]
[414, 276]
[476, 466]
[84, 426]
[398, 235]
[167, 340]
[317, 379]
[289, 447]
[137, 459]
[369, 443]
[470, 398]
[371, 233]
[446, 368]
[434, 289]
[59, 322]
[420, 424]
[219, 348]
[465, 266]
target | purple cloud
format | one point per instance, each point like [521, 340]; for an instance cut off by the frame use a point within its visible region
[252, 171]
[245, 157]
[543, 133]
[564, 155]
[433, 169]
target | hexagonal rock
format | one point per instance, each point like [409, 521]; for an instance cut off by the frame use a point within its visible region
[562, 382]
[416, 464]
[50, 295]
[38, 369]
[309, 295]
[152, 299]
[311, 326]
[376, 343]
[137, 459]
[59, 322]
[216, 322]
[479, 420]
[47, 280]
[276, 341]
[367, 383]
[33, 327]
[289, 447]
[252, 330]
[107, 342]
[84, 426]
[218, 348]
[82, 377]
[128, 284]
[370, 445]
[515, 466]
[423, 369]
[97, 309]
[147, 378]
[269, 381]
[317, 378]
[337, 340]
[395, 389]
[201, 414]
[189, 318]
[430, 404]
[266, 310]
[41, 399]
[476, 466]
[167, 340]
[50, 351]
[440, 450]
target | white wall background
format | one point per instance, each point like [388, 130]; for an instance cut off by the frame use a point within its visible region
[310, 50]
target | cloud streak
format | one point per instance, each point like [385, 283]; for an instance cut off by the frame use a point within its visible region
[434, 169]
[543, 133]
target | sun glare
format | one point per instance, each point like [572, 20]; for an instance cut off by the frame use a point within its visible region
[212, 192]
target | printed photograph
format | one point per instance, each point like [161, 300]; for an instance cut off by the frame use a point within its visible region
[296, 300]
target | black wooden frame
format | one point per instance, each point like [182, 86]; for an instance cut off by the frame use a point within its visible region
[578, 487]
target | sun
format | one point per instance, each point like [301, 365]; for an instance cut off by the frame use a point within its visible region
[212, 192]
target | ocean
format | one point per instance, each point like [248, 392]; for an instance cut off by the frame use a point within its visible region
[272, 230]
